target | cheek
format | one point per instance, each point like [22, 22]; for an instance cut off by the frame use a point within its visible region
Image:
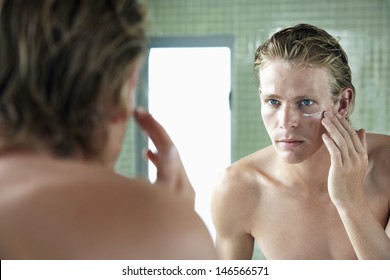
[313, 127]
[268, 115]
[268, 119]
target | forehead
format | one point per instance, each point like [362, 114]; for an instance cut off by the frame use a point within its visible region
[280, 77]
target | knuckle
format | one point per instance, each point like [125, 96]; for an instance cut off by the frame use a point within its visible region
[351, 131]
[337, 155]
[345, 134]
[365, 160]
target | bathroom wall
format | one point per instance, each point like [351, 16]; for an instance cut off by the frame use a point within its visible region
[363, 27]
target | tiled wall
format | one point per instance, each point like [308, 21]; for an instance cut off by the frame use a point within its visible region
[363, 27]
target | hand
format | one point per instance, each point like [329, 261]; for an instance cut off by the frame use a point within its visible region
[170, 169]
[349, 160]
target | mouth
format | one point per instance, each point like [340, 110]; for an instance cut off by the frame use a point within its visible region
[290, 143]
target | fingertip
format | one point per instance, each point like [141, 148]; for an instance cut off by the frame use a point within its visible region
[151, 156]
[148, 153]
[139, 111]
[361, 132]
[145, 152]
[362, 136]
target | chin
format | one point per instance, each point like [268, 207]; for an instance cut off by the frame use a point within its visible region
[297, 154]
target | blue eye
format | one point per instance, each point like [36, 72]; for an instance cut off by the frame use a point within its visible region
[306, 102]
[273, 102]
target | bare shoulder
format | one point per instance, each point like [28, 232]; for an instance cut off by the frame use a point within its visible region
[378, 149]
[94, 213]
[242, 177]
[173, 229]
[378, 141]
[238, 189]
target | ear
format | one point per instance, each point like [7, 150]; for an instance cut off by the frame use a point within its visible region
[125, 109]
[131, 87]
[345, 102]
[118, 116]
[134, 73]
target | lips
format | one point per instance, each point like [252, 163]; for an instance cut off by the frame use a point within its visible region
[290, 143]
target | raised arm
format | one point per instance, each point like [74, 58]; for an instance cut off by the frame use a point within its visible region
[349, 162]
[170, 169]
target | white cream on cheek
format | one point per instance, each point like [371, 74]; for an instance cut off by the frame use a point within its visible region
[317, 115]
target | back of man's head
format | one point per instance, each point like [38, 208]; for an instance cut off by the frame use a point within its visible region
[63, 65]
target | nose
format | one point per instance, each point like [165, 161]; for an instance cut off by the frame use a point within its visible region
[288, 118]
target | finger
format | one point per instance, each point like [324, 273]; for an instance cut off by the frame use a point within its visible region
[152, 157]
[335, 154]
[349, 135]
[355, 138]
[344, 132]
[363, 140]
[159, 162]
[336, 136]
[153, 129]
[165, 170]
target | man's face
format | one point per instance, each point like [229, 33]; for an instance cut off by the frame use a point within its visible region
[288, 95]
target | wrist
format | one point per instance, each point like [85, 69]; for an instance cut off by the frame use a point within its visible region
[347, 201]
[351, 207]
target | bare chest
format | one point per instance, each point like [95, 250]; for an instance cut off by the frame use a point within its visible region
[302, 229]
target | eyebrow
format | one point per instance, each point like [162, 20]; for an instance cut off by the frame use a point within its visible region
[277, 96]
[270, 96]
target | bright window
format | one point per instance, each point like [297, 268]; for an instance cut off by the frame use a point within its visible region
[189, 95]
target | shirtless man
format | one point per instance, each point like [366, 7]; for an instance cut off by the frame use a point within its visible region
[67, 79]
[321, 190]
